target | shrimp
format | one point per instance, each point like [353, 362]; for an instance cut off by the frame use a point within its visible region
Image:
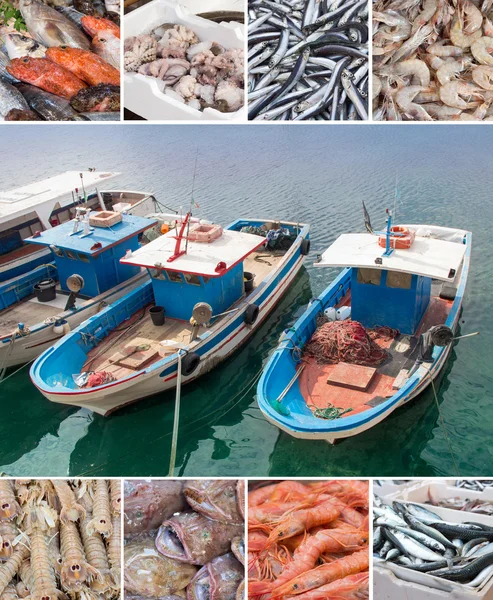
[308, 553]
[414, 68]
[8, 533]
[482, 49]
[71, 510]
[450, 94]
[429, 9]
[481, 111]
[54, 549]
[400, 28]
[338, 569]
[376, 86]
[404, 99]
[75, 569]
[303, 520]
[352, 586]
[442, 112]
[10, 593]
[459, 38]
[101, 521]
[11, 567]
[472, 17]
[483, 76]
[43, 575]
[450, 70]
[116, 496]
[488, 27]
[439, 49]
[261, 495]
[114, 547]
[26, 583]
[412, 44]
[9, 507]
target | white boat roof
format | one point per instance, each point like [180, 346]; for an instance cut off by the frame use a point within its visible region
[42, 196]
[201, 258]
[427, 256]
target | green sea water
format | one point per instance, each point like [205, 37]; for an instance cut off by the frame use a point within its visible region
[316, 174]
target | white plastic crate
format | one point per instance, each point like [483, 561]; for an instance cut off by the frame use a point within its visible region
[143, 95]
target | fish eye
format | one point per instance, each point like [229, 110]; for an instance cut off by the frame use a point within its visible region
[25, 60]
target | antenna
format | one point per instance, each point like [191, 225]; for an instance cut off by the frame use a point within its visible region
[396, 193]
[83, 188]
[192, 202]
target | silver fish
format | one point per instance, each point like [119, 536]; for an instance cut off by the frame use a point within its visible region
[50, 27]
[102, 116]
[107, 46]
[412, 547]
[20, 45]
[49, 106]
[11, 98]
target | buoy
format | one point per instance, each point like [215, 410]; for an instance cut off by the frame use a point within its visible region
[403, 241]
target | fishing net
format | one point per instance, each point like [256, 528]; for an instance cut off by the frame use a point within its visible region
[277, 239]
[348, 341]
[330, 412]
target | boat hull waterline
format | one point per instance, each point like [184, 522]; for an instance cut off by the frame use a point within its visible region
[300, 422]
[162, 376]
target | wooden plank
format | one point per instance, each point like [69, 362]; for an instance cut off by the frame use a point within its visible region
[355, 377]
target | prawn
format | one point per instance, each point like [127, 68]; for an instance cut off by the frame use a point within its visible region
[439, 49]
[473, 17]
[450, 94]
[404, 99]
[342, 588]
[483, 76]
[338, 569]
[429, 9]
[482, 49]
[71, 510]
[261, 495]
[10, 568]
[8, 533]
[488, 27]
[415, 68]
[459, 38]
[101, 521]
[9, 507]
[450, 70]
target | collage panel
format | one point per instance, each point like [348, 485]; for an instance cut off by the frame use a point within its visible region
[60, 538]
[184, 61]
[432, 60]
[433, 539]
[308, 60]
[308, 539]
[184, 539]
[60, 60]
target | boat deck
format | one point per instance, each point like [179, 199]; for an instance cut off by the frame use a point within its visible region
[317, 392]
[126, 351]
[21, 252]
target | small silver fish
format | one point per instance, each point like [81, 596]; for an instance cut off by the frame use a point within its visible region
[50, 27]
[19, 45]
[4, 74]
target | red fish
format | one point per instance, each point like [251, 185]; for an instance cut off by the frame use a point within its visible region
[94, 25]
[47, 75]
[86, 65]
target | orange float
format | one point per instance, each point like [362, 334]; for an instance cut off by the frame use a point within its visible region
[403, 241]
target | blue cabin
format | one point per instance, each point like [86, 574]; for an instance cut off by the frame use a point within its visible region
[205, 264]
[88, 247]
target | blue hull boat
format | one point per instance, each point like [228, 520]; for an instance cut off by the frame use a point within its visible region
[414, 290]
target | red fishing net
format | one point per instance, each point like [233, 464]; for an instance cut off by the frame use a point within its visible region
[99, 378]
[350, 342]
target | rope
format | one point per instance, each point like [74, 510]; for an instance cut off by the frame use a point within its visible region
[349, 342]
[2, 380]
[17, 333]
[443, 426]
[330, 413]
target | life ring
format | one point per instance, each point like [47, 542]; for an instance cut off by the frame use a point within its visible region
[403, 241]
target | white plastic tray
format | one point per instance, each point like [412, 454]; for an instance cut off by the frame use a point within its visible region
[395, 581]
[142, 94]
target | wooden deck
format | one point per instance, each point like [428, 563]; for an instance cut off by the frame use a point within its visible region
[261, 263]
[26, 312]
[403, 353]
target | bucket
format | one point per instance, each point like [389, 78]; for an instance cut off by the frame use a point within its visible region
[157, 315]
[45, 290]
[248, 281]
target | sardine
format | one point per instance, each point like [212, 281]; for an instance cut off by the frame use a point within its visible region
[411, 547]
[50, 27]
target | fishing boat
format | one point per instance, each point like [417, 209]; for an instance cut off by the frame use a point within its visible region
[45, 204]
[81, 275]
[209, 289]
[375, 338]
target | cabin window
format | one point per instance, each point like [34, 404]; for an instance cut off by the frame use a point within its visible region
[399, 280]
[174, 276]
[70, 254]
[205, 280]
[57, 251]
[83, 257]
[157, 274]
[369, 276]
[192, 279]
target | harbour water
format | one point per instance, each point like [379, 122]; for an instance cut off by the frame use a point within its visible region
[312, 174]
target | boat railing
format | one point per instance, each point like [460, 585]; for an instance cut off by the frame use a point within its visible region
[15, 290]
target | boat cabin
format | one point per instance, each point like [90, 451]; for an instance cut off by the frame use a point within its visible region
[395, 289]
[91, 246]
[202, 263]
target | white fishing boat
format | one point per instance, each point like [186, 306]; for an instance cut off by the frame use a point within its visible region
[209, 289]
[82, 274]
[376, 338]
